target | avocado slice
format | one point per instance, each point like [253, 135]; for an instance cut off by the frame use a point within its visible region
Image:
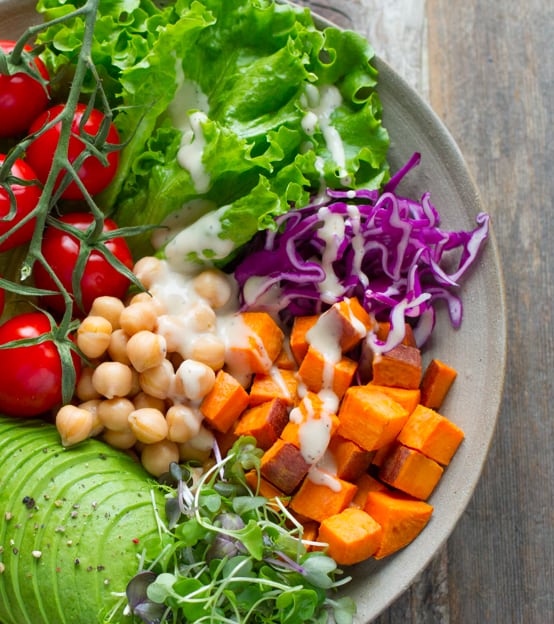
[72, 524]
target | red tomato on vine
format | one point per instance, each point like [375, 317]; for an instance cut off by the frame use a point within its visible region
[26, 198]
[93, 173]
[31, 379]
[61, 251]
[22, 97]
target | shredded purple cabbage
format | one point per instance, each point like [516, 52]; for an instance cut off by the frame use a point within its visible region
[385, 249]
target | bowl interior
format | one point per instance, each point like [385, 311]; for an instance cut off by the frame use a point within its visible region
[477, 350]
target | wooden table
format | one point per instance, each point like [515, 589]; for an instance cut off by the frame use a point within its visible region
[487, 69]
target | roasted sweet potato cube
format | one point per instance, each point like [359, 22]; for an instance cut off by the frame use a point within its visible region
[282, 384]
[370, 419]
[436, 382]
[410, 471]
[298, 341]
[409, 398]
[401, 517]
[326, 424]
[351, 460]
[348, 321]
[432, 434]
[318, 501]
[317, 373]
[284, 466]
[264, 488]
[383, 330]
[265, 422]
[225, 402]
[285, 360]
[400, 367]
[366, 484]
[351, 536]
[256, 341]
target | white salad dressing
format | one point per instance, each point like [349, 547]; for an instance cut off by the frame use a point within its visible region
[322, 102]
[195, 240]
[332, 233]
[191, 152]
[188, 113]
[178, 220]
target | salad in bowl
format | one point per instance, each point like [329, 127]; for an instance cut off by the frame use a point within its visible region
[225, 394]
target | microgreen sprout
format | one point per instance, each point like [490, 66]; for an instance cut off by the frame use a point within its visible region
[229, 557]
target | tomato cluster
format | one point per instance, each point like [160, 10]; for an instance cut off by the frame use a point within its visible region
[31, 381]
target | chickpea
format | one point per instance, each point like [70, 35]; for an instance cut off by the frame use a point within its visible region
[194, 380]
[174, 329]
[208, 349]
[183, 423]
[92, 407]
[158, 380]
[148, 425]
[139, 316]
[146, 350]
[148, 270]
[74, 424]
[117, 348]
[84, 390]
[108, 307]
[114, 413]
[93, 336]
[213, 286]
[146, 297]
[142, 399]
[123, 440]
[157, 457]
[201, 318]
[112, 379]
[199, 447]
[135, 384]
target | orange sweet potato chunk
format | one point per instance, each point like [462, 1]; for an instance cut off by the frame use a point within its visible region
[258, 341]
[351, 460]
[370, 419]
[431, 433]
[400, 367]
[318, 501]
[281, 384]
[349, 321]
[401, 517]
[265, 422]
[284, 466]
[225, 402]
[366, 484]
[383, 330]
[298, 341]
[317, 373]
[264, 488]
[352, 536]
[311, 408]
[409, 398]
[410, 471]
[436, 382]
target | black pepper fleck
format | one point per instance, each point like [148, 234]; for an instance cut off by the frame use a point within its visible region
[29, 502]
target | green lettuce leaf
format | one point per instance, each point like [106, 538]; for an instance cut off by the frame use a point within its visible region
[252, 73]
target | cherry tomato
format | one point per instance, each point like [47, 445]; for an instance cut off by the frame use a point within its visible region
[31, 380]
[61, 250]
[93, 173]
[2, 301]
[26, 198]
[22, 98]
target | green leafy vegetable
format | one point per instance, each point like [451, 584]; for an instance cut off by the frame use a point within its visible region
[234, 559]
[230, 88]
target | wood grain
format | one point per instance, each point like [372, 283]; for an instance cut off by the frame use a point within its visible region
[487, 69]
